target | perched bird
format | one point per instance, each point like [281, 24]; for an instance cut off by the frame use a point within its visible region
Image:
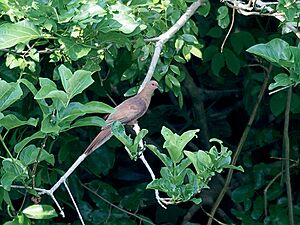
[128, 112]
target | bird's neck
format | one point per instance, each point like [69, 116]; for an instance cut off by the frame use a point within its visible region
[146, 95]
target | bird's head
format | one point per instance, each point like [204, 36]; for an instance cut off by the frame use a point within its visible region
[152, 85]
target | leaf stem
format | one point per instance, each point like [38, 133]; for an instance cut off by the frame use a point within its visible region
[286, 144]
[5, 147]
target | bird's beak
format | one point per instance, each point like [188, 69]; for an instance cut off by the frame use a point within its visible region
[160, 88]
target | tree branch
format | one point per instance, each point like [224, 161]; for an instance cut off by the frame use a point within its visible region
[239, 148]
[163, 38]
[286, 144]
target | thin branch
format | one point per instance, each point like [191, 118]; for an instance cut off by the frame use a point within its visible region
[37, 161]
[269, 185]
[163, 38]
[240, 146]
[74, 203]
[115, 206]
[230, 29]
[260, 8]
[137, 129]
[286, 144]
[5, 147]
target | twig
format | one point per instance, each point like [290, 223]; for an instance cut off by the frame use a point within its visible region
[210, 216]
[117, 207]
[269, 185]
[37, 161]
[240, 146]
[74, 203]
[286, 144]
[136, 129]
[230, 29]
[163, 38]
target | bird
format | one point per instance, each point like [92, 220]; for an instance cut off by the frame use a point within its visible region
[128, 112]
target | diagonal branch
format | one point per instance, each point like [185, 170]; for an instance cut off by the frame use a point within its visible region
[239, 148]
[163, 38]
[286, 144]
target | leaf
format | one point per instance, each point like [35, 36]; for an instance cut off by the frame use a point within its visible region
[102, 162]
[186, 137]
[118, 131]
[277, 103]
[10, 93]
[13, 170]
[204, 9]
[75, 83]
[281, 80]
[171, 144]
[10, 121]
[295, 103]
[29, 155]
[217, 63]
[14, 33]
[223, 17]
[243, 193]
[178, 44]
[191, 39]
[89, 121]
[232, 61]
[19, 146]
[40, 212]
[65, 74]
[175, 70]
[49, 90]
[275, 51]
[196, 52]
[129, 73]
[73, 49]
[163, 157]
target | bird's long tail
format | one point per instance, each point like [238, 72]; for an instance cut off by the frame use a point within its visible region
[99, 140]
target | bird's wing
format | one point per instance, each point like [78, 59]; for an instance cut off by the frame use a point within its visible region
[128, 111]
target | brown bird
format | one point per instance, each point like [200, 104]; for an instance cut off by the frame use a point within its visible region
[128, 112]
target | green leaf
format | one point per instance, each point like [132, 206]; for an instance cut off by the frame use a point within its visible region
[29, 155]
[14, 33]
[10, 121]
[277, 103]
[196, 52]
[295, 103]
[13, 170]
[102, 162]
[129, 73]
[77, 83]
[215, 32]
[232, 61]
[281, 80]
[171, 144]
[49, 90]
[191, 39]
[118, 131]
[186, 51]
[217, 63]
[243, 193]
[10, 93]
[186, 137]
[38, 135]
[89, 121]
[73, 49]
[275, 51]
[223, 17]
[40, 212]
[178, 44]
[163, 157]
[204, 9]
[175, 70]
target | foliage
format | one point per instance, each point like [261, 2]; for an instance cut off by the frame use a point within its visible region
[61, 64]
